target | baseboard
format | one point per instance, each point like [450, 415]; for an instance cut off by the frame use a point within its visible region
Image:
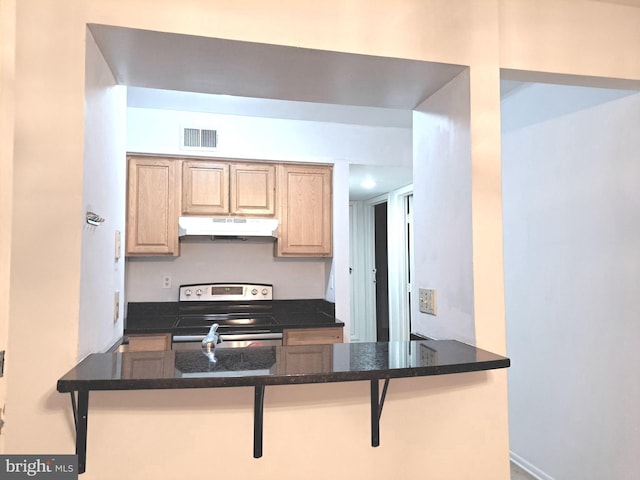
[527, 467]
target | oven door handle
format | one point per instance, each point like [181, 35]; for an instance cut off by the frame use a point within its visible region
[250, 336]
[260, 335]
[188, 338]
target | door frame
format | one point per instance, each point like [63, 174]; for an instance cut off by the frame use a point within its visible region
[399, 264]
[362, 262]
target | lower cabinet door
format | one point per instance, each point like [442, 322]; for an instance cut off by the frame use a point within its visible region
[306, 359]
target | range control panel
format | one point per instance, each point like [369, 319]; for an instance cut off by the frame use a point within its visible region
[212, 292]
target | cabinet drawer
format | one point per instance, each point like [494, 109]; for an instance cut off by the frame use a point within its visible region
[312, 336]
[149, 342]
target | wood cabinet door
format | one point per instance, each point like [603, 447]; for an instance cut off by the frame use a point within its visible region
[308, 359]
[139, 365]
[152, 213]
[205, 188]
[305, 210]
[253, 189]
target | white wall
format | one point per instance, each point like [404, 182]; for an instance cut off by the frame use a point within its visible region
[442, 212]
[572, 270]
[103, 187]
[158, 131]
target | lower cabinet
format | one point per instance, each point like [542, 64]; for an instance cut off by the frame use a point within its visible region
[312, 336]
[317, 354]
[313, 358]
[148, 365]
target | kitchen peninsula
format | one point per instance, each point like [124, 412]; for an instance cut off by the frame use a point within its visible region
[259, 367]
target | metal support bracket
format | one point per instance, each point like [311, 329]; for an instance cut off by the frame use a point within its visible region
[80, 418]
[377, 403]
[80, 406]
[258, 415]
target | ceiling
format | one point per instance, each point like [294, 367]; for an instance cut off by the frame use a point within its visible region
[384, 179]
[192, 73]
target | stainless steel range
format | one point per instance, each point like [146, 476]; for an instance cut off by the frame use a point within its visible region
[243, 311]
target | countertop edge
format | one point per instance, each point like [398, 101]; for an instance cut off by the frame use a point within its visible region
[64, 386]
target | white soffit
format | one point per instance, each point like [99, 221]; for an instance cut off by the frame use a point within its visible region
[188, 63]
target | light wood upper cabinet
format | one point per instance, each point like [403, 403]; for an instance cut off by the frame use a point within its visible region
[160, 189]
[220, 188]
[152, 207]
[253, 189]
[304, 196]
[205, 188]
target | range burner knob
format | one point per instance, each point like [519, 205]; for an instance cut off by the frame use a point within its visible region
[187, 292]
[199, 292]
[254, 291]
[265, 291]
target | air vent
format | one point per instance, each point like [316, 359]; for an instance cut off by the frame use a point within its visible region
[199, 138]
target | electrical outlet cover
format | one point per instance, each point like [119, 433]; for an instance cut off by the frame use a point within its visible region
[116, 307]
[427, 301]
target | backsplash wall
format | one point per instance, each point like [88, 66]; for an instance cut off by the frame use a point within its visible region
[203, 260]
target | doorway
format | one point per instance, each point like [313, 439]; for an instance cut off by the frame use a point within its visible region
[381, 271]
[380, 265]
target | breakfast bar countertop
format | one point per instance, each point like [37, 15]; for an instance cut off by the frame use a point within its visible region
[276, 365]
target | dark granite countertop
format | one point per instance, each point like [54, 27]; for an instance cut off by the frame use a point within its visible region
[162, 317]
[305, 313]
[151, 317]
[278, 365]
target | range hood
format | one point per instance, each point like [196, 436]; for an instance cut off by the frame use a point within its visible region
[227, 227]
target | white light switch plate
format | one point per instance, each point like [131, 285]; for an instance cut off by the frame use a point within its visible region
[427, 300]
[118, 245]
